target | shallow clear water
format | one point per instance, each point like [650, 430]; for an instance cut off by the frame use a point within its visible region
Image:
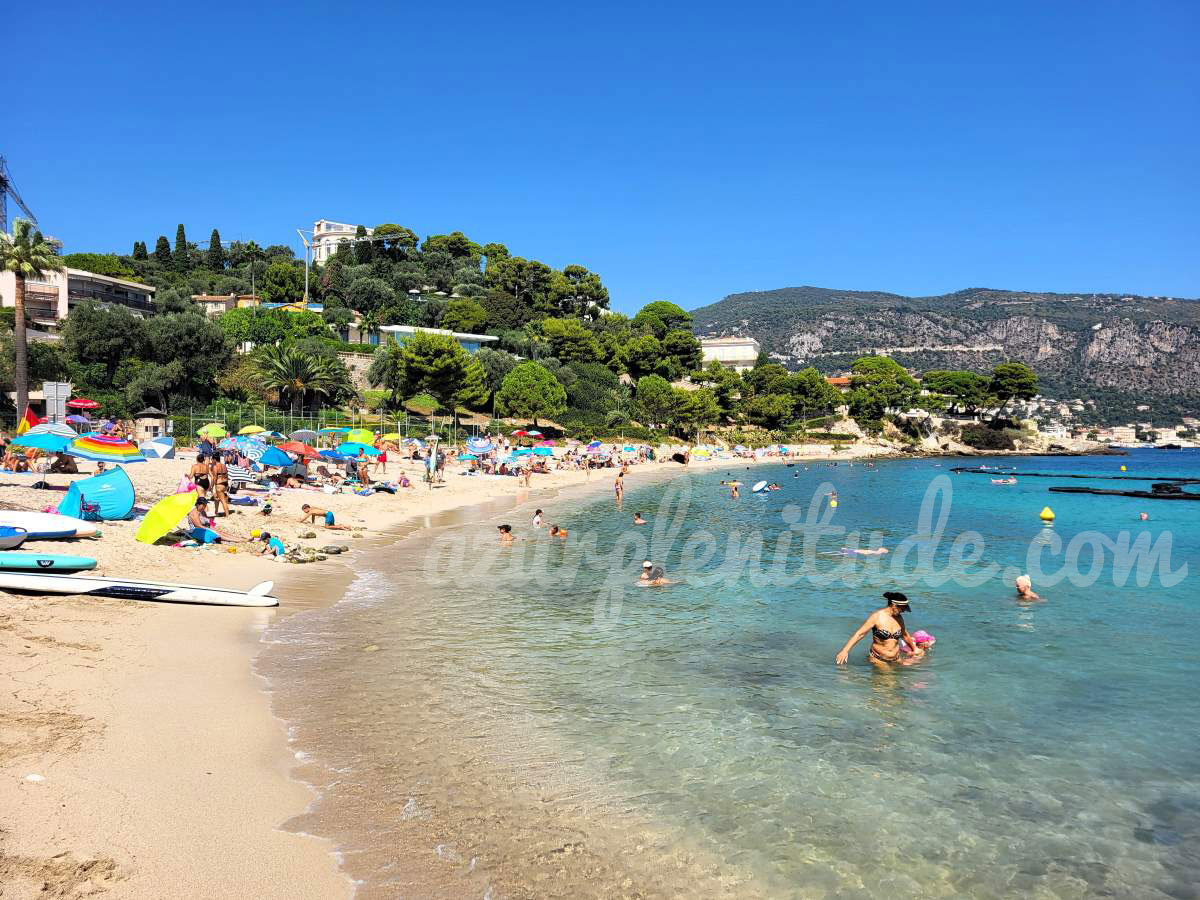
[527, 722]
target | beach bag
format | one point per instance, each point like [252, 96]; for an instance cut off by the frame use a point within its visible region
[89, 512]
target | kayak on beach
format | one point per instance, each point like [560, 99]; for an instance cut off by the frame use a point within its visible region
[126, 589]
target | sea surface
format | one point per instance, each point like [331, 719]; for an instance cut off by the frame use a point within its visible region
[488, 722]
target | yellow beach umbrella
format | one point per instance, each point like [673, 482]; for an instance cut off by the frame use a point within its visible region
[252, 429]
[392, 436]
[213, 430]
[165, 515]
[361, 436]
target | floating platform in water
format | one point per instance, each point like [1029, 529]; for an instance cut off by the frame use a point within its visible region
[968, 470]
[1158, 491]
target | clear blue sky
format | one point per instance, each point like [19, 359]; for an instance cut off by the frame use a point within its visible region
[682, 150]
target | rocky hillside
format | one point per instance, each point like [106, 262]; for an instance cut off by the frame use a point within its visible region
[1118, 350]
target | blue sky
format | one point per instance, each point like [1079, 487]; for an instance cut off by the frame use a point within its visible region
[682, 150]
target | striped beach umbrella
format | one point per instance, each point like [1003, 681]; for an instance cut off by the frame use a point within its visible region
[103, 448]
[53, 428]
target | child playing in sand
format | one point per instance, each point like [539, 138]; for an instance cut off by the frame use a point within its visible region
[312, 513]
[272, 545]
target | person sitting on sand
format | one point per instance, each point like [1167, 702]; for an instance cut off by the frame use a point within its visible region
[201, 526]
[557, 532]
[637, 519]
[404, 482]
[506, 535]
[312, 513]
[64, 465]
[272, 545]
[1024, 585]
[888, 632]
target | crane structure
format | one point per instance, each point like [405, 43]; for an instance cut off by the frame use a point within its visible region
[8, 189]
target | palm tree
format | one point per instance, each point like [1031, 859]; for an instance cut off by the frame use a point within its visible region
[369, 324]
[254, 254]
[295, 373]
[27, 254]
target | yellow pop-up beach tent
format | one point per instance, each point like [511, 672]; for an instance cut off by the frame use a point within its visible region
[164, 516]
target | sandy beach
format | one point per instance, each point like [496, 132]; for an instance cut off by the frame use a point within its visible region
[138, 753]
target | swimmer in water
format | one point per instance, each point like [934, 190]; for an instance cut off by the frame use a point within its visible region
[653, 576]
[537, 519]
[1143, 516]
[1024, 585]
[506, 535]
[855, 551]
[557, 532]
[888, 633]
[637, 519]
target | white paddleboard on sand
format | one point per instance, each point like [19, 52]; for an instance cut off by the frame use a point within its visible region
[128, 589]
[48, 524]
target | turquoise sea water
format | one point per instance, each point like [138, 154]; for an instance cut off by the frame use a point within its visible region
[503, 711]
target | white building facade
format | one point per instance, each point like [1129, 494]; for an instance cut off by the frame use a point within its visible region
[328, 235]
[734, 352]
[50, 297]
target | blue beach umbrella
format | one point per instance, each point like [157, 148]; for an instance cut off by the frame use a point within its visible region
[466, 457]
[51, 443]
[273, 456]
[543, 451]
[351, 448]
[333, 455]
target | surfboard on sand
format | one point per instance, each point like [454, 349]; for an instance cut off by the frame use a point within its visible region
[44, 562]
[129, 589]
[44, 526]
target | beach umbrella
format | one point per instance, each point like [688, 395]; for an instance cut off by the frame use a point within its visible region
[543, 451]
[360, 436]
[392, 436]
[416, 441]
[273, 456]
[272, 436]
[53, 428]
[105, 449]
[479, 445]
[341, 429]
[627, 449]
[520, 432]
[303, 434]
[82, 403]
[351, 448]
[79, 420]
[300, 449]
[466, 457]
[533, 433]
[547, 443]
[251, 429]
[213, 430]
[164, 516]
[50, 443]
[594, 445]
[332, 455]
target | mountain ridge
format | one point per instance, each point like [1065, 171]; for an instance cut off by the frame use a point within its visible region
[1121, 350]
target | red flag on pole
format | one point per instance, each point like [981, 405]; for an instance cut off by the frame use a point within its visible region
[27, 421]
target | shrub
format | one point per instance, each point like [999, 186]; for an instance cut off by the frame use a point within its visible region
[981, 437]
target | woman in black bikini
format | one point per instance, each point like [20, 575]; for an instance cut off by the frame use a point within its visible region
[887, 630]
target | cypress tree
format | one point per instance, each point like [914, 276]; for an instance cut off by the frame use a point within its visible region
[216, 253]
[364, 251]
[139, 250]
[181, 248]
[162, 250]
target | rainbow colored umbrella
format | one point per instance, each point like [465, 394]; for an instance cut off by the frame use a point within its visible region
[103, 448]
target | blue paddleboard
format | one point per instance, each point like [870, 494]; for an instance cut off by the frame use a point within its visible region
[50, 562]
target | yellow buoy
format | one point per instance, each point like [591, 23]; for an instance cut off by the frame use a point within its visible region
[1047, 514]
[1123, 469]
[832, 504]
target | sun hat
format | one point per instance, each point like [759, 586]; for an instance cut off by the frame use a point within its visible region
[647, 565]
[896, 598]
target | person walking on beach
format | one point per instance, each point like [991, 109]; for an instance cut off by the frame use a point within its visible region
[619, 487]
[381, 459]
[220, 481]
[200, 475]
[888, 633]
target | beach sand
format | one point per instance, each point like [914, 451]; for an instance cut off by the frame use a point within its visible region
[138, 753]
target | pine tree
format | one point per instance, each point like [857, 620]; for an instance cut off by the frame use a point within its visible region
[216, 253]
[139, 250]
[181, 248]
[162, 250]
